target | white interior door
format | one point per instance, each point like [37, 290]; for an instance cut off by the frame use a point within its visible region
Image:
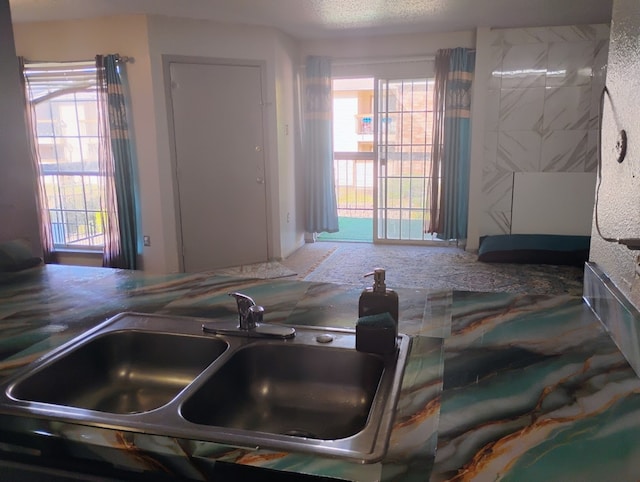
[220, 165]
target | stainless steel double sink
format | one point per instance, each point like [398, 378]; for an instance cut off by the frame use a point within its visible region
[314, 393]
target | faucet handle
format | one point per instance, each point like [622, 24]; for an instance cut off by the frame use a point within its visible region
[256, 314]
[242, 298]
[245, 303]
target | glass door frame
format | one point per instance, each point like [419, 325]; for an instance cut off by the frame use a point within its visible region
[381, 163]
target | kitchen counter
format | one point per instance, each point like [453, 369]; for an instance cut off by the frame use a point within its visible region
[497, 385]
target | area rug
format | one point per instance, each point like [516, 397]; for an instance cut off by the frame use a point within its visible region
[307, 258]
[268, 270]
[427, 267]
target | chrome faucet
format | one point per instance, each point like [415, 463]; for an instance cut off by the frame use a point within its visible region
[249, 314]
[250, 323]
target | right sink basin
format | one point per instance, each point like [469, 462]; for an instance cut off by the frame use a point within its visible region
[313, 393]
[306, 391]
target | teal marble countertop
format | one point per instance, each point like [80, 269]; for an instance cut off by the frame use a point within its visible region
[497, 387]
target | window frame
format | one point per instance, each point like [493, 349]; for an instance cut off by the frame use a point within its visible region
[55, 81]
[389, 70]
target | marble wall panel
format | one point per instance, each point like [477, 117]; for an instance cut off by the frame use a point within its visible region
[524, 66]
[572, 33]
[496, 222]
[495, 71]
[570, 63]
[564, 151]
[541, 108]
[567, 108]
[591, 156]
[490, 150]
[597, 84]
[492, 110]
[521, 109]
[594, 112]
[600, 62]
[521, 36]
[496, 37]
[498, 190]
[519, 151]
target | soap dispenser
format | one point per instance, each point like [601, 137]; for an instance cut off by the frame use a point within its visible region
[378, 299]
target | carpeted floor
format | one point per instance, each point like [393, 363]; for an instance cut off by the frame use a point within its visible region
[427, 268]
[269, 270]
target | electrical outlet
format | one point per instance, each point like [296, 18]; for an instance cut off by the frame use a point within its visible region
[288, 217]
[146, 240]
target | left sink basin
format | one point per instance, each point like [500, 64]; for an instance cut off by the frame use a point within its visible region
[121, 372]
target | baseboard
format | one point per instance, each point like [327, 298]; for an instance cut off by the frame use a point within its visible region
[618, 316]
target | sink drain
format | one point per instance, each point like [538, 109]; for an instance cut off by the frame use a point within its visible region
[300, 433]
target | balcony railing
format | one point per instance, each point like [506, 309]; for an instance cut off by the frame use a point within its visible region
[403, 213]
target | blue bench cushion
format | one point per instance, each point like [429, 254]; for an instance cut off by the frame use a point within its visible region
[535, 249]
[15, 255]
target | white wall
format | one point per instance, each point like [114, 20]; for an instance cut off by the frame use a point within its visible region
[392, 46]
[479, 88]
[289, 177]
[18, 211]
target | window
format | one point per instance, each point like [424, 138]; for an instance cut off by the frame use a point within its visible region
[66, 115]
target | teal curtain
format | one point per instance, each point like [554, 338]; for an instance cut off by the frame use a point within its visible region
[121, 239]
[456, 67]
[320, 195]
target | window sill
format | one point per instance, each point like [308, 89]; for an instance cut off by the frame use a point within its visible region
[78, 257]
[79, 250]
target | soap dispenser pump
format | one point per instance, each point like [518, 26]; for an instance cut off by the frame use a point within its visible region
[378, 299]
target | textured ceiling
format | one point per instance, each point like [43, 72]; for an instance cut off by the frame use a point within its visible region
[330, 18]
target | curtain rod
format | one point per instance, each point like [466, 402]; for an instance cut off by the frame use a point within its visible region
[382, 60]
[385, 60]
[125, 59]
[120, 58]
[377, 60]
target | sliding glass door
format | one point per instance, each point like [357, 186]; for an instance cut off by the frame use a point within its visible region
[404, 120]
[353, 158]
[382, 145]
